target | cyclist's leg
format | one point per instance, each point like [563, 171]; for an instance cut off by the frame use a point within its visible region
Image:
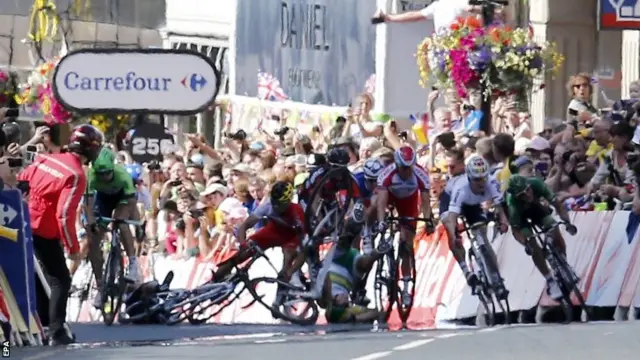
[406, 207]
[453, 239]
[127, 210]
[475, 214]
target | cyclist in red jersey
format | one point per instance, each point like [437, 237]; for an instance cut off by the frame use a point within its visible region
[56, 185]
[405, 186]
[272, 234]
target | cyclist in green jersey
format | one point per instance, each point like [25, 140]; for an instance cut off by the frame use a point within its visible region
[525, 209]
[347, 268]
[111, 188]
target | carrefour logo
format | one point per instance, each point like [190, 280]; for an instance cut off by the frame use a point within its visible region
[129, 82]
[120, 80]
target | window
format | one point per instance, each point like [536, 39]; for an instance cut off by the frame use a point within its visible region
[151, 14]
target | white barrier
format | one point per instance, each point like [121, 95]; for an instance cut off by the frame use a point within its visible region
[603, 255]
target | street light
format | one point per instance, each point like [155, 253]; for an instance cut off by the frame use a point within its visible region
[488, 9]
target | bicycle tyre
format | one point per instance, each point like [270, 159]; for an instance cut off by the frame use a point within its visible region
[565, 274]
[391, 283]
[481, 291]
[405, 311]
[308, 213]
[221, 303]
[492, 268]
[275, 311]
[112, 288]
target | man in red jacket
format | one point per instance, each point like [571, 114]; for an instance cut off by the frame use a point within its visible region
[57, 183]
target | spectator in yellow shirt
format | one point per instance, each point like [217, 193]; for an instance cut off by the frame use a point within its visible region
[503, 147]
[601, 143]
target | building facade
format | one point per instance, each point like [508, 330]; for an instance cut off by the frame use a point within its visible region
[83, 23]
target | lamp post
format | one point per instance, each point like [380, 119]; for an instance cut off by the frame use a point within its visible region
[488, 9]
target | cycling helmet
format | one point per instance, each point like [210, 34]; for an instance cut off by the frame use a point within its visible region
[404, 156]
[86, 140]
[315, 160]
[338, 157]
[135, 170]
[105, 162]
[517, 184]
[281, 193]
[476, 167]
[372, 169]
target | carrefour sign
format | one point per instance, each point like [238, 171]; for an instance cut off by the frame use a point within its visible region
[146, 80]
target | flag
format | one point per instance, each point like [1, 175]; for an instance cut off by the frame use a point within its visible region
[370, 84]
[467, 125]
[421, 127]
[269, 88]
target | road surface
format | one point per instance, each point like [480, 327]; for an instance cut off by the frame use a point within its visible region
[618, 341]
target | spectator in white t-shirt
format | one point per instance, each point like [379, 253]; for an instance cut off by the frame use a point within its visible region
[442, 12]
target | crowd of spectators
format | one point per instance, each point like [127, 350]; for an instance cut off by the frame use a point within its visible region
[194, 198]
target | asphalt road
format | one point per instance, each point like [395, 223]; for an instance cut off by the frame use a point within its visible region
[618, 341]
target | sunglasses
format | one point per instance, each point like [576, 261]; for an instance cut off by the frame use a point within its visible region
[580, 85]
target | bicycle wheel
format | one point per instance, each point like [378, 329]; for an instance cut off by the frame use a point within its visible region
[310, 218]
[294, 309]
[491, 271]
[408, 282]
[569, 285]
[210, 304]
[113, 287]
[487, 313]
[386, 285]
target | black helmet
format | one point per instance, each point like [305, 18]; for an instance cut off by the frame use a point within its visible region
[315, 160]
[282, 193]
[338, 157]
[86, 140]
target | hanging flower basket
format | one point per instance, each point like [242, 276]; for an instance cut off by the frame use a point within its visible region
[469, 55]
[36, 95]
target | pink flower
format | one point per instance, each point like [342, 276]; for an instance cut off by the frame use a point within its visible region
[461, 73]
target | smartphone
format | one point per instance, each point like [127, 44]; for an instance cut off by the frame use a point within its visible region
[433, 88]
[175, 182]
[573, 112]
[196, 213]
[13, 112]
[377, 20]
[32, 148]
[275, 117]
[15, 163]
[403, 135]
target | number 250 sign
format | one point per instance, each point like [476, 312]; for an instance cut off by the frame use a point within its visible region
[150, 142]
[144, 146]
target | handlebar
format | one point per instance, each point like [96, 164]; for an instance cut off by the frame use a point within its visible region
[474, 226]
[108, 220]
[403, 219]
[547, 229]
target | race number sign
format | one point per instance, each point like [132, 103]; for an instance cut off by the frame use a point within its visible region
[150, 142]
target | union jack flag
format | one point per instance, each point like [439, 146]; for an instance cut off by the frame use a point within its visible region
[269, 88]
[370, 84]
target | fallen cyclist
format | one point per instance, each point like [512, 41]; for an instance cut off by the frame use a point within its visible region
[273, 234]
[347, 268]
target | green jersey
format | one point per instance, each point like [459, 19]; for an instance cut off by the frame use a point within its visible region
[121, 183]
[519, 211]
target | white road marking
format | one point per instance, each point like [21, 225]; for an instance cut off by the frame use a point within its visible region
[491, 329]
[412, 344]
[270, 341]
[446, 336]
[374, 356]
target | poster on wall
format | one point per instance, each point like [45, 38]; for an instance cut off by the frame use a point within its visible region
[619, 14]
[311, 51]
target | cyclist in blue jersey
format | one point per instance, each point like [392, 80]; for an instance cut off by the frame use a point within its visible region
[367, 183]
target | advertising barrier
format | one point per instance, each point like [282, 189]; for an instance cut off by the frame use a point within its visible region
[604, 254]
[17, 280]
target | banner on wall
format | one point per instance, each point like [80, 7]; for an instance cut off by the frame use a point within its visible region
[619, 14]
[316, 51]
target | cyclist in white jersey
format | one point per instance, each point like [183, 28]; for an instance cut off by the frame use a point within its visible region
[468, 193]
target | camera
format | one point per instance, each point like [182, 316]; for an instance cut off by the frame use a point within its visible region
[282, 131]
[196, 213]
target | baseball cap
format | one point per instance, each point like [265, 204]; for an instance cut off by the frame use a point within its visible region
[539, 143]
[227, 205]
[521, 146]
[243, 168]
[214, 188]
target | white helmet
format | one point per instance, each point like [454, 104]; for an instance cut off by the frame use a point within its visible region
[372, 168]
[476, 167]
